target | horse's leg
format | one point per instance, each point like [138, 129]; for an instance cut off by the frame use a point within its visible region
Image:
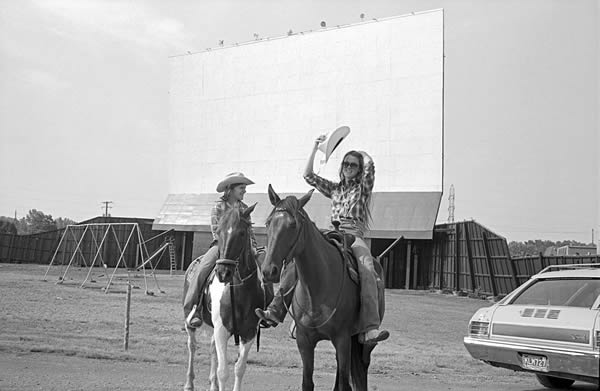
[240, 365]
[212, 376]
[342, 344]
[191, 343]
[307, 353]
[221, 336]
[220, 333]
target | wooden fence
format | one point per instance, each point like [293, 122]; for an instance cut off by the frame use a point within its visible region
[468, 257]
[40, 248]
[35, 248]
[527, 266]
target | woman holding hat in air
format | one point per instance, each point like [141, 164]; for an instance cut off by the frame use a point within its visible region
[350, 205]
[233, 188]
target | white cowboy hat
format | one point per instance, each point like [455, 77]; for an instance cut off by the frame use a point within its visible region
[332, 140]
[235, 178]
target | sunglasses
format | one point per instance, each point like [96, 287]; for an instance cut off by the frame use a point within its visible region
[350, 165]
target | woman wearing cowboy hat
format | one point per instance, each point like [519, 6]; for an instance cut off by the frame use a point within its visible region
[233, 188]
[350, 206]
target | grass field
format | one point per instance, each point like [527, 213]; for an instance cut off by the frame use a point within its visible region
[43, 317]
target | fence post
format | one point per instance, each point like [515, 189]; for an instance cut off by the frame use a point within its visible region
[127, 312]
[11, 247]
[408, 265]
[457, 259]
[470, 258]
[444, 242]
[542, 261]
[489, 263]
[513, 267]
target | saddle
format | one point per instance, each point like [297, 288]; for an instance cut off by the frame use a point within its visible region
[343, 242]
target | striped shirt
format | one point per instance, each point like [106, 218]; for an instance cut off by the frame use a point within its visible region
[218, 210]
[348, 201]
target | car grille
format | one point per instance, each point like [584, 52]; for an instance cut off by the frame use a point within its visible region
[540, 313]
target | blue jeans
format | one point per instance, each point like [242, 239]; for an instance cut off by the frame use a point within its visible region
[195, 278]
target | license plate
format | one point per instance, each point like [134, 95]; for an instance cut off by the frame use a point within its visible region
[535, 363]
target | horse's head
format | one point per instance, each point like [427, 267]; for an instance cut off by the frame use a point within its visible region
[284, 229]
[234, 242]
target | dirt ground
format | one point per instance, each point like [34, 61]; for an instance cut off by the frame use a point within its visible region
[37, 371]
[62, 337]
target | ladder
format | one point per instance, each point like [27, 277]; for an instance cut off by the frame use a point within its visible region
[173, 260]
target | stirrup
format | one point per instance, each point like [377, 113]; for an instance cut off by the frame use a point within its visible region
[266, 318]
[188, 319]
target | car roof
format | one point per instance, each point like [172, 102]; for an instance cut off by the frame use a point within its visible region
[579, 272]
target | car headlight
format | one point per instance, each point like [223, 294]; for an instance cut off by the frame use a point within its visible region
[479, 329]
[597, 344]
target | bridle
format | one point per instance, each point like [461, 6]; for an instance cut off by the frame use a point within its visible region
[234, 263]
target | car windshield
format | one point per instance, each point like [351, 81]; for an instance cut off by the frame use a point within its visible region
[580, 292]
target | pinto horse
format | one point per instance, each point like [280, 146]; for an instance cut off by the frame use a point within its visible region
[325, 303]
[237, 274]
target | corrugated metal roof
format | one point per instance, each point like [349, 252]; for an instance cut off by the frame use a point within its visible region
[395, 214]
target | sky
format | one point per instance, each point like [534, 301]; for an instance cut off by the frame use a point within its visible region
[84, 102]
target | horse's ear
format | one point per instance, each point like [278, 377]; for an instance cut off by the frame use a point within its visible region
[273, 196]
[247, 212]
[305, 198]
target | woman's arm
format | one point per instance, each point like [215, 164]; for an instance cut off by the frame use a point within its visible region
[368, 176]
[324, 186]
[215, 216]
[308, 170]
[366, 157]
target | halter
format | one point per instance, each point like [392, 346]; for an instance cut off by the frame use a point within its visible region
[235, 262]
[286, 262]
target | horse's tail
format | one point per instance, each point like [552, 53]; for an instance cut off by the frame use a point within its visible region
[360, 358]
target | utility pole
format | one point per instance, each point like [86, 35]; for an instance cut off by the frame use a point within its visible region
[451, 205]
[107, 206]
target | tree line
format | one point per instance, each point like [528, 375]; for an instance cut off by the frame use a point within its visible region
[535, 247]
[34, 222]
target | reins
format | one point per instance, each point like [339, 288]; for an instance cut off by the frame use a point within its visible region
[285, 264]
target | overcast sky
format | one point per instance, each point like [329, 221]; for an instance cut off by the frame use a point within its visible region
[84, 102]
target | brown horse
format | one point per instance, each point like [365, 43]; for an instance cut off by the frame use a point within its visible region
[237, 274]
[326, 301]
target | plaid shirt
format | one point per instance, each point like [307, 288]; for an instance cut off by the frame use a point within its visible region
[217, 212]
[348, 201]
